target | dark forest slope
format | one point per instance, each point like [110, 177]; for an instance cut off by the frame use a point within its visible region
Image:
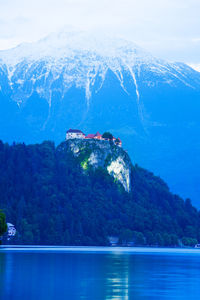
[51, 200]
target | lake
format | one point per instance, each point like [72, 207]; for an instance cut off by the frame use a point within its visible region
[51, 273]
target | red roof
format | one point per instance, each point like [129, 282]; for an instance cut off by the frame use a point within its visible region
[90, 136]
[98, 134]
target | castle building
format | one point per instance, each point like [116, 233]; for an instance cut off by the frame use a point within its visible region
[78, 134]
[90, 136]
[74, 134]
[97, 136]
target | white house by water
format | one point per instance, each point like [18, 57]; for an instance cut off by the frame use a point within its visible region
[11, 230]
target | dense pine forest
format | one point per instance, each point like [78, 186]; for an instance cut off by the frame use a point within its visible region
[46, 194]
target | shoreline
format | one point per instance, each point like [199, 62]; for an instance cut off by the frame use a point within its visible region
[96, 249]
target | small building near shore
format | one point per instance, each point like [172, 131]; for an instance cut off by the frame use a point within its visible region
[113, 240]
[11, 231]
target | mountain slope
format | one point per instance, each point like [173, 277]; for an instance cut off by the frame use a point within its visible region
[78, 81]
[51, 198]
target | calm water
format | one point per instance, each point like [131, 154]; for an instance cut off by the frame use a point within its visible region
[99, 273]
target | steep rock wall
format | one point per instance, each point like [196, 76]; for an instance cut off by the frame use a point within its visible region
[104, 154]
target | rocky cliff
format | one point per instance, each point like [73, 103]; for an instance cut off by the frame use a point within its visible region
[104, 154]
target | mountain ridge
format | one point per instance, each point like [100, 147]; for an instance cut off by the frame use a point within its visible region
[81, 64]
[151, 104]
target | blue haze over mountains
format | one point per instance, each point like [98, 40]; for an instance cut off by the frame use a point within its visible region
[73, 80]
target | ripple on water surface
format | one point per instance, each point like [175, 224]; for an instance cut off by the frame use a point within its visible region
[98, 273]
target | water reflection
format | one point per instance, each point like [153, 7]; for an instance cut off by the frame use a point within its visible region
[117, 277]
[2, 270]
[98, 276]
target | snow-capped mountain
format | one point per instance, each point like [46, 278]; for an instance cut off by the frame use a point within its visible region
[101, 83]
[195, 66]
[63, 60]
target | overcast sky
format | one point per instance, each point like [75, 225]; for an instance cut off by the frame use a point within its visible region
[167, 28]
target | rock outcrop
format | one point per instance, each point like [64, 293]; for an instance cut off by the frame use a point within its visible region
[103, 154]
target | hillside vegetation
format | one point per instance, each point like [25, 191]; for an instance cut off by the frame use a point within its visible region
[51, 199]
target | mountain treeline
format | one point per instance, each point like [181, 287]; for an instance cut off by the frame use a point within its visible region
[46, 194]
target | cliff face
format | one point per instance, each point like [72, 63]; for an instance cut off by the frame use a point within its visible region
[104, 154]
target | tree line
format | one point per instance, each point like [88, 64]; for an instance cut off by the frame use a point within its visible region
[46, 194]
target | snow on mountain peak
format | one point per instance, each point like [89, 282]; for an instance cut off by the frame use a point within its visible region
[196, 67]
[77, 58]
[68, 44]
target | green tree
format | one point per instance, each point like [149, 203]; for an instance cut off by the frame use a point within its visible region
[3, 225]
[174, 240]
[150, 238]
[189, 242]
[107, 136]
[139, 238]
[126, 236]
[49, 198]
[117, 141]
[159, 239]
[166, 239]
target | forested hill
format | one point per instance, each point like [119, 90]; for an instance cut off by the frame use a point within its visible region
[51, 199]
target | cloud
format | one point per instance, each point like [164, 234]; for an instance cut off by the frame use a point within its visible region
[153, 23]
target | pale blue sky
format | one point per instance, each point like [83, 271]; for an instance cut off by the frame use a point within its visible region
[169, 28]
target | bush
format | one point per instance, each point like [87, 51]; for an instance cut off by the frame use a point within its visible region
[3, 225]
[107, 136]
